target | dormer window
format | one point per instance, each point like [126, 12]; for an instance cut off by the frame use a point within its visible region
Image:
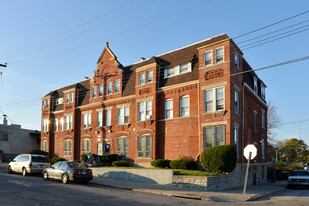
[263, 91]
[180, 69]
[255, 83]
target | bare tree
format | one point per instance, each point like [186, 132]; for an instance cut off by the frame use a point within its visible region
[274, 121]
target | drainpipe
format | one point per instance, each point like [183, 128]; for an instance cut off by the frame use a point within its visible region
[199, 123]
[243, 123]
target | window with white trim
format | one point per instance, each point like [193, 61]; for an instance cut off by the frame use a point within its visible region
[71, 97]
[144, 111]
[219, 54]
[100, 90]
[99, 119]
[149, 76]
[141, 78]
[117, 86]
[123, 146]
[45, 103]
[109, 87]
[255, 121]
[45, 146]
[144, 146]
[123, 115]
[108, 116]
[86, 146]
[68, 148]
[214, 136]
[168, 108]
[61, 124]
[68, 122]
[207, 58]
[255, 83]
[236, 102]
[214, 99]
[93, 91]
[236, 138]
[86, 120]
[263, 118]
[45, 125]
[67, 97]
[177, 70]
[236, 61]
[184, 106]
[56, 125]
[263, 148]
[263, 91]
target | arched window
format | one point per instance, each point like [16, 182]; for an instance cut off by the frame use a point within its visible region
[123, 146]
[86, 146]
[45, 146]
[144, 146]
[68, 148]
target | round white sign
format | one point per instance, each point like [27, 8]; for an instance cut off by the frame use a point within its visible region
[250, 148]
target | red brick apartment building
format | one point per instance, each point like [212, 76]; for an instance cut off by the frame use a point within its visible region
[174, 104]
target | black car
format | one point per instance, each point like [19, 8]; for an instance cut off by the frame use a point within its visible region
[68, 171]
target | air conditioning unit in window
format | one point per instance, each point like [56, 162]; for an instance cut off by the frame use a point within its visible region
[148, 116]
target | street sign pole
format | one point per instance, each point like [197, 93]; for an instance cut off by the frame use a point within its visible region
[247, 171]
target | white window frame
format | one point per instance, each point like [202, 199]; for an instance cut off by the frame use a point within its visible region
[109, 88]
[56, 125]
[177, 70]
[99, 118]
[142, 148]
[214, 99]
[67, 98]
[45, 125]
[68, 148]
[236, 56]
[123, 146]
[61, 124]
[236, 102]
[236, 139]
[86, 120]
[117, 86]
[100, 90]
[263, 118]
[169, 110]
[93, 92]
[45, 146]
[149, 76]
[71, 97]
[214, 135]
[184, 68]
[255, 85]
[87, 143]
[141, 78]
[184, 111]
[144, 110]
[208, 59]
[68, 122]
[123, 115]
[108, 117]
[217, 55]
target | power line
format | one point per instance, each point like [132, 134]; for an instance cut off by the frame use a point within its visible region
[278, 22]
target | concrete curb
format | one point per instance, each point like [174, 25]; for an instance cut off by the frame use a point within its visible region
[257, 197]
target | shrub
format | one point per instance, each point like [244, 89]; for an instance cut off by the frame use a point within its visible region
[109, 158]
[56, 159]
[84, 157]
[219, 159]
[39, 152]
[120, 163]
[183, 163]
[161, 163]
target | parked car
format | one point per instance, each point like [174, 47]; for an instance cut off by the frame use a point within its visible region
[28, 163]
[298, 178]
[68, 171]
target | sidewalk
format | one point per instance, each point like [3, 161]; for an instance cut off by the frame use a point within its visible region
[231, 195]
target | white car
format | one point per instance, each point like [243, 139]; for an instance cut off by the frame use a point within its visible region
[28, 163]
[298, 178]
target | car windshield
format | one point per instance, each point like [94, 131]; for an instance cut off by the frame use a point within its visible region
[39, 159]
[76, 165]
[300, 173]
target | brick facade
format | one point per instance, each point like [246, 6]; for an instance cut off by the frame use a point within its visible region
[194, 124]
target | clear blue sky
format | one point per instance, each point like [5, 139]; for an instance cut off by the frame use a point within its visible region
[53, 43]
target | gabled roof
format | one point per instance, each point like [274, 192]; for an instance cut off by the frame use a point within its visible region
[107, 49]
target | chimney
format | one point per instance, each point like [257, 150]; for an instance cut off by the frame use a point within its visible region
[142, 59]
[5, 122]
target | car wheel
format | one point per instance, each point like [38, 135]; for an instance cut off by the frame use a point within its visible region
[10, 171]
[65, 179]
[24, 172]
[45, 176]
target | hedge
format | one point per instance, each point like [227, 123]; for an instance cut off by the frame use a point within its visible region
[56, 159]
[39, 152]
[120, 163]
[109, 158]
[161, 163]
[219, 159]
[84, 157]
[183, 163]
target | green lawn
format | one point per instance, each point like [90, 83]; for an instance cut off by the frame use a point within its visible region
[192, 172]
